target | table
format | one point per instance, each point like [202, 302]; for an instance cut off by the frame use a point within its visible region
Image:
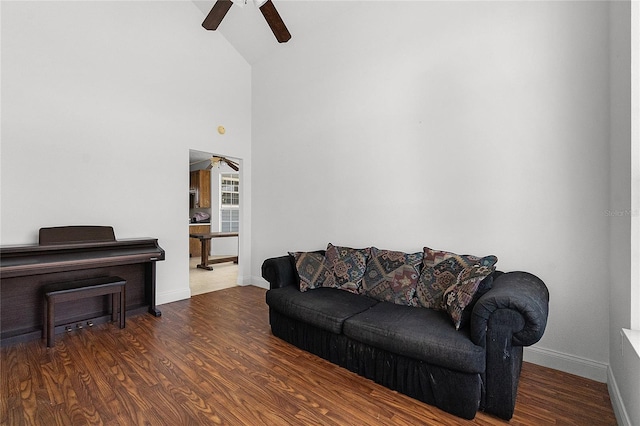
[205, 240]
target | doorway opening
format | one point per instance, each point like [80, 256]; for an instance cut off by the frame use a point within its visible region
[214, 219]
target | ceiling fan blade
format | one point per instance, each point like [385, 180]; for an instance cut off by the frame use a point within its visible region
[217, 13]
[232, 164]
[275, 22]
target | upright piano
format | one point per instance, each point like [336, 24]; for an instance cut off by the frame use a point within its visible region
[73, 253]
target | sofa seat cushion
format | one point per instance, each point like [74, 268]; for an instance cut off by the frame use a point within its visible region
[325, 308]
[419, 333]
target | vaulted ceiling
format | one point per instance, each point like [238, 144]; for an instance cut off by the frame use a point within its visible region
[245, 28]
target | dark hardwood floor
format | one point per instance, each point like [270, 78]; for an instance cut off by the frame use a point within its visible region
[212, 360]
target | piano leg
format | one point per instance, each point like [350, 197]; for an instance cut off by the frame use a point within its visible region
[123, 306]
[151, 288]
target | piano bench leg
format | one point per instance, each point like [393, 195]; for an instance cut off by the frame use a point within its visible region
[115, 301]
[114, 307]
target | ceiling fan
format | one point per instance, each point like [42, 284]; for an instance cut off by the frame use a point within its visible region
[217, 161]
[221, 7]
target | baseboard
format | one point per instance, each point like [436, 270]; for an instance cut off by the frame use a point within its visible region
[259, 282]
[568, 363]
[172, 296]
[616, 400]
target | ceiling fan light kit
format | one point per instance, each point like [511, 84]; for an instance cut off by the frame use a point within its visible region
[269, 11]
[243, 3]
[216, 161]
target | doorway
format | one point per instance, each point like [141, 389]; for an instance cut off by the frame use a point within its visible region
[214, 207]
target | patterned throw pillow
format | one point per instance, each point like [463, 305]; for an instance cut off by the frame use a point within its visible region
[484, 286]
[440, 270]
[311, 269]
[347, 266]
[459, 295]
[392, 276]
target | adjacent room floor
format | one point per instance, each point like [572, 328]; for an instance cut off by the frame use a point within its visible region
[224, 275]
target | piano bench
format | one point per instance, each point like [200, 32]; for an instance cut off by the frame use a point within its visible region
[81, 289]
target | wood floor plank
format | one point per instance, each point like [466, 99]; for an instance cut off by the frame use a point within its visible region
[212, 360]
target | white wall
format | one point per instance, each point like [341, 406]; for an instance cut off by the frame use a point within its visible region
[476, 127]
[101, 102]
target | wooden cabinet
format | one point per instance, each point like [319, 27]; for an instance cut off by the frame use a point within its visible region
[194, 243]
[200, 182]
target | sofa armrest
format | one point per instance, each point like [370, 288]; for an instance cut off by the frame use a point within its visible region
[511, 315]
[280, 272]
[524, 294]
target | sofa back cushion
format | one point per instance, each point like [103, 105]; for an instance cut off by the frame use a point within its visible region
[392, 276]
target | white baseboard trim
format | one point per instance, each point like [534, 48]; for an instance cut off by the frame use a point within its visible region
[241, 280]
[172, 296]
[616, 400]
[259, 282]
[568, 363]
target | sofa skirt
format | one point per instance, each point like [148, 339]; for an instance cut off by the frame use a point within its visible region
[452, 391]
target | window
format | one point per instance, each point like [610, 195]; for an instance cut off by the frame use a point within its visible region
[229, 220]
[229, 203]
